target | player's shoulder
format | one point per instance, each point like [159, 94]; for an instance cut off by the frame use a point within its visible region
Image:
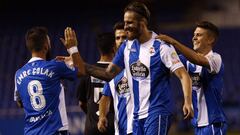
[126, 43]
[18, 71]
[55, 62]
[163, 44]
[23, 68]
[214, 56]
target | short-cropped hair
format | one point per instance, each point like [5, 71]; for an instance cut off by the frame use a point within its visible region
[35, 38]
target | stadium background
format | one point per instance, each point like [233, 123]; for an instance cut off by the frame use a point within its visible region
[91, 17]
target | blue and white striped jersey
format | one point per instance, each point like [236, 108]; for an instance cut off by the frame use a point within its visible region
[148, 67]
[38, 86]
[123, 103]
[207, 90]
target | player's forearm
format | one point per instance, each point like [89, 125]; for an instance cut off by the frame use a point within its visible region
[186, 82]
[99, 72]
[186, 87]
[190, 54]
[79, 63]
[104, 106]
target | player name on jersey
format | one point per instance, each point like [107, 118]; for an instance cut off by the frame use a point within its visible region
[37, 118]
[34, 71]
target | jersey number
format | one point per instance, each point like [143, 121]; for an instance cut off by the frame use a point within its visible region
[97, 94]
[35, 92]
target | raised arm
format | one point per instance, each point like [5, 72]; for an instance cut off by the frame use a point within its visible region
[191, 55]
[102, 73]
[70, 42]
[186, 82]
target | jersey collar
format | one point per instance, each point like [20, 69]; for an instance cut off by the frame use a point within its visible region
[35, 59]
[210, 53]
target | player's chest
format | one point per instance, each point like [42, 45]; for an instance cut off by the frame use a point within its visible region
[143, 60]
[195, 72]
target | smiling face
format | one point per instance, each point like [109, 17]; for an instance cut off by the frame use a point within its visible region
[201, 39]
[120, 36]
[132, 25]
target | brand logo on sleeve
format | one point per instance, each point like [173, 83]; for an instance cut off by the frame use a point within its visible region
[175, 58]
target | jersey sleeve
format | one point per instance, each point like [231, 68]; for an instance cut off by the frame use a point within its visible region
[119, 56]
[215, 62]
[107, 90]
[66, 71]
[16, 93]
[169, 57]
[183, 60]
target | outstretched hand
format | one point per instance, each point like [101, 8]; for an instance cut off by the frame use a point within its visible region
[67, 59]
[70, 38]
[167, 39]
[102, 124]
[188, 111]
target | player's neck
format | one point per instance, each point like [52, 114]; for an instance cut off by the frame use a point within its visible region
[39, 54]
[204, 51]
[145, 36]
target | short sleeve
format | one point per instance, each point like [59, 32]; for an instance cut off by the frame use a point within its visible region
[119, 56]
[66, 71]
[107, 90]
[169, 57]
[215, 62]
[16, 93]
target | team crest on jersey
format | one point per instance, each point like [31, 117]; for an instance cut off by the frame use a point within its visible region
[122, 87]
[139, 71]
[152, 51]
[174, 57]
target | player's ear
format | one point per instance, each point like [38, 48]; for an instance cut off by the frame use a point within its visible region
[46, 47]
[143, 23]
[211, 40]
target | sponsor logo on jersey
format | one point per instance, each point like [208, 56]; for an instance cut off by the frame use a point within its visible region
[40, 117]
[196, 79]
[122, 87]
[139, 71]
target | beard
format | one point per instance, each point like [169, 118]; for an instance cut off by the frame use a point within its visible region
[133, 32]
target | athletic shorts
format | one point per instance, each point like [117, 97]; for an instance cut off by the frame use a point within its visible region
[213, 129]
[152, 125]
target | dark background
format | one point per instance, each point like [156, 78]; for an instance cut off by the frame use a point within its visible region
[91, 17]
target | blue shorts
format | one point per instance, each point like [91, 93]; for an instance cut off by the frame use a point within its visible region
[152, 125]
[213, 129]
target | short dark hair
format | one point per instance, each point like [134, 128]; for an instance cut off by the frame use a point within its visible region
[209, 26]
[118, 25]
[35, 38]
[105, 43]
[140, 8]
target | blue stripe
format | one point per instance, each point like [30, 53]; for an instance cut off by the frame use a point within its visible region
[133, 57]
[122, 115]
[160, 86]
[194, 101]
